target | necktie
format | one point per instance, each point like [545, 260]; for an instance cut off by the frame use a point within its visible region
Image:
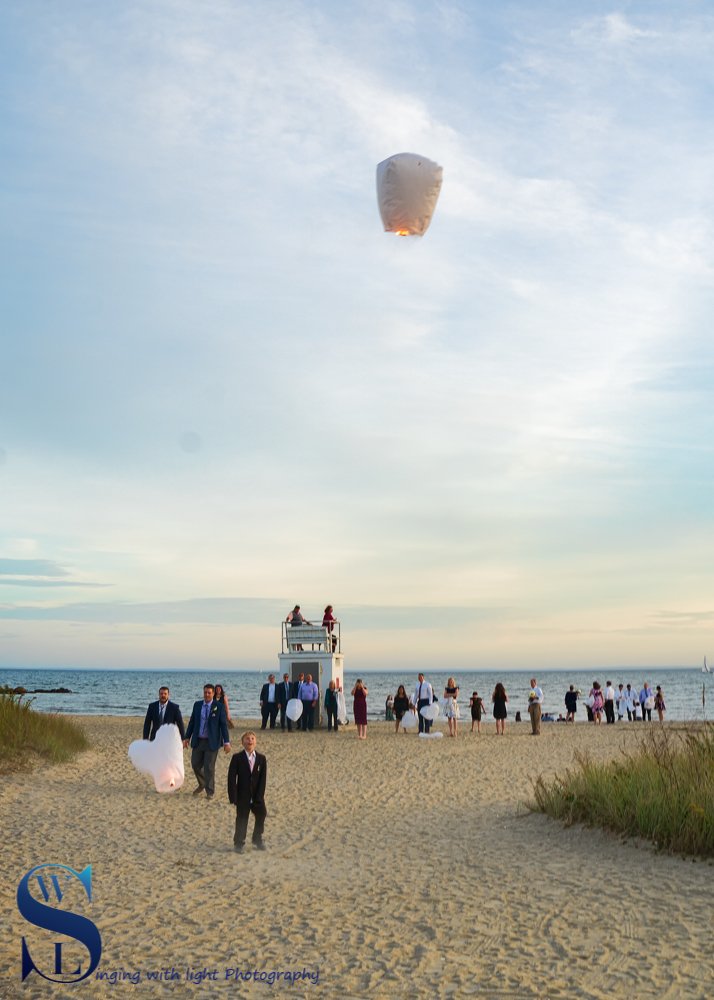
[161, 715]
[251, 761]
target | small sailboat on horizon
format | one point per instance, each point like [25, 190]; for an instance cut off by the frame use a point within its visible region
[705, 668]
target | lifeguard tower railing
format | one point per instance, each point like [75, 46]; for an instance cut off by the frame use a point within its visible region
[308, 639]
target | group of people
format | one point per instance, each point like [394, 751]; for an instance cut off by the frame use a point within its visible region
[207, 732]
[296, 619]
[625, 700]
[397, 707]
[274, 698]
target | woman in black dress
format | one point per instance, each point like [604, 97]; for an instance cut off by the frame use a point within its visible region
[400, 706]
[500, 712]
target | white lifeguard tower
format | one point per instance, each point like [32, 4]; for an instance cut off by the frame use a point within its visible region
[315, 650]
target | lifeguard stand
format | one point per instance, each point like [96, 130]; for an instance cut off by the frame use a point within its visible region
[313, 649]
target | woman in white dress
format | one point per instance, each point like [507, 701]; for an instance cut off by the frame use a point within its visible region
[451, 705]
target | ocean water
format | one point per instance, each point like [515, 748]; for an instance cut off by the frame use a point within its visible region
[128, 692]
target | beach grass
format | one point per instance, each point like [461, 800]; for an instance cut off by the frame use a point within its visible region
[26, 735]
[662, 791]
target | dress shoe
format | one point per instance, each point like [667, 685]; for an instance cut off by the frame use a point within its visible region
[209, 796]
[197, 791]
[238, 848]
[259, 845]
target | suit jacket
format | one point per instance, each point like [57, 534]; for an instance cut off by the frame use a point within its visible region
[172, 714]
[265, 691]
[246, 788]
[217, 728]
[283, 695]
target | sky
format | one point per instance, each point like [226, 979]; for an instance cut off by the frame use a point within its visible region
[226, 390]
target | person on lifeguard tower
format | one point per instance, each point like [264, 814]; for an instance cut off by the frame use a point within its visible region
[296, 618]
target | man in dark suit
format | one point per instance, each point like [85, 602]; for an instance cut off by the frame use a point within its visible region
[269, 702]
[284, 688]
[162, 713]
[246, 790]
[207, 731]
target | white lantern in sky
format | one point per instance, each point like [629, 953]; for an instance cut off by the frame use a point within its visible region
[408, 187]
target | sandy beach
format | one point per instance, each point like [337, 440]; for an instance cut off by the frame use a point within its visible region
[396, 867]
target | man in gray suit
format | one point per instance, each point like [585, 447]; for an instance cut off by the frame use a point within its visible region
[207, 732]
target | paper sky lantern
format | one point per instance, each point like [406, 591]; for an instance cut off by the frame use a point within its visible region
[430, 711]
[162, 758]
[409, 720]
[407, 191]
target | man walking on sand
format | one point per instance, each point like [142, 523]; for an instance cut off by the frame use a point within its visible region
[247, 774]
[162, 713]
[207, 731]
[535, 707]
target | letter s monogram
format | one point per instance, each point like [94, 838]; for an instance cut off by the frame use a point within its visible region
[66, 922]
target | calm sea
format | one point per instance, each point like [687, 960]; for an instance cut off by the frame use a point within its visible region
[128, 692]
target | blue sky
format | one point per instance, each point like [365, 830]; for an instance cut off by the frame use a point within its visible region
[225, 389]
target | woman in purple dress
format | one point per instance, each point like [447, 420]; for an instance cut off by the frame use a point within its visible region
[359, 693]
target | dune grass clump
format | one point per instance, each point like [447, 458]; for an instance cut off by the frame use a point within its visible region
[663, 791]
[26, 735]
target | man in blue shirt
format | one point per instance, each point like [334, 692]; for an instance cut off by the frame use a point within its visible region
[207, 731]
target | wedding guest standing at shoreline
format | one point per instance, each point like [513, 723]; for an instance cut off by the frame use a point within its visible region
[477, 710]
[647, 701]
[597, 702]
[451, 708]
[609, 703]
[659, 703]
[269, 702]
[331, 706]
[359, 708]
[630, 699]
[500, 710]
[423, 695]
[620, 701]
[283, 699]
[400, 707]
[309, 693]
[535, 706]
[571, 704]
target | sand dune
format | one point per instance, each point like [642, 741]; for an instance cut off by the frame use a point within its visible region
[397, 867]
